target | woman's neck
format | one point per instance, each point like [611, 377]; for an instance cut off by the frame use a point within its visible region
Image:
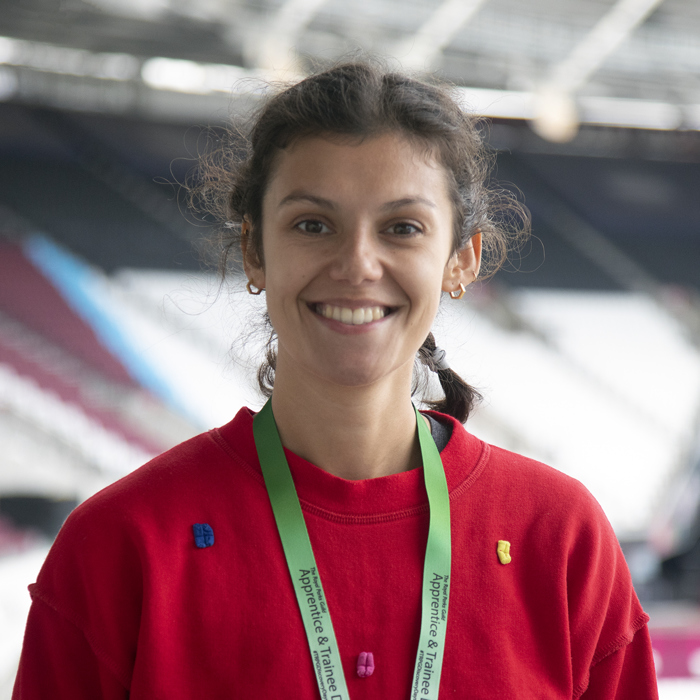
[351, 432]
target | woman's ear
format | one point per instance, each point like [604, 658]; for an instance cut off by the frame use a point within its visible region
[463, 266]
[254, 271]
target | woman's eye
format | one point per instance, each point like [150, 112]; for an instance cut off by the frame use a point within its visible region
[313, 227]
[404, 229]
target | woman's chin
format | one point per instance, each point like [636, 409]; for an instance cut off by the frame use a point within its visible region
[341, 367]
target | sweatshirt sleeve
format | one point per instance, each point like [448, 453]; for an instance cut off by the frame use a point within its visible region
[627, 674]
[58, 662]
[610, 638]
[82, 630]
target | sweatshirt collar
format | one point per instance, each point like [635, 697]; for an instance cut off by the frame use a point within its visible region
[386, 497]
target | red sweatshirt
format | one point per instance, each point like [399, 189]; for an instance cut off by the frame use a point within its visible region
[127, 604]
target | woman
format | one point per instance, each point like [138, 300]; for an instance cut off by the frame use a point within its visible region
[361, 202]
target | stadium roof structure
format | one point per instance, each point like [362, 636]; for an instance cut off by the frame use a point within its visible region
[555, 62]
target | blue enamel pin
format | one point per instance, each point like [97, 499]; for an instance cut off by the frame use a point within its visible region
[203, 535]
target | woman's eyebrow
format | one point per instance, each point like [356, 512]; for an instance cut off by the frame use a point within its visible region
[407, 201]
[297, 196]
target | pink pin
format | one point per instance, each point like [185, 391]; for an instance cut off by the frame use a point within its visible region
[365, 664]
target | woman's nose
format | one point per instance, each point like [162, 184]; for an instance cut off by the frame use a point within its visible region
[357, 258]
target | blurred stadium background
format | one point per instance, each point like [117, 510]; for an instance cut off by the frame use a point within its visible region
[116, 342]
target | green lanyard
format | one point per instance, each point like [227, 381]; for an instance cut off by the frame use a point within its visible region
[307, 581]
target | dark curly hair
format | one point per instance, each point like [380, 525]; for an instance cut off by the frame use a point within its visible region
[362, 100]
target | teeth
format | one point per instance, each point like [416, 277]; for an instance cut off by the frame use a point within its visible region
[355, 317]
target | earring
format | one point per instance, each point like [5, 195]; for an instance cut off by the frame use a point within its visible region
[249, 287]
[458, 294]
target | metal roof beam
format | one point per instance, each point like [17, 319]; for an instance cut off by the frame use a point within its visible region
[556, 113]
[422, 50]
[276, 48]
[604, 39]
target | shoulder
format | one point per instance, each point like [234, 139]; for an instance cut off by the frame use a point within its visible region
[190, 470]
[529, 503]
[513, 480]
[125, 543]
[560, 541]
[540, 483]
[148, 515]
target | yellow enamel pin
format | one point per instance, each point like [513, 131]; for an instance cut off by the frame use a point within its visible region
[503, 551]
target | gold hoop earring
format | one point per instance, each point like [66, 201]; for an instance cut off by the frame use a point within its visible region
[249, 287]
[458, 294]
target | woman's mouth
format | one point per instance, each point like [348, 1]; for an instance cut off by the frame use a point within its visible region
[352, 317]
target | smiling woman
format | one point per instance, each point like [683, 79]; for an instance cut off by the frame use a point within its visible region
[352, 227]
[353, 547]
[348, 106]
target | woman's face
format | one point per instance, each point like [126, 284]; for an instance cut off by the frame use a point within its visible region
[357, 245]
